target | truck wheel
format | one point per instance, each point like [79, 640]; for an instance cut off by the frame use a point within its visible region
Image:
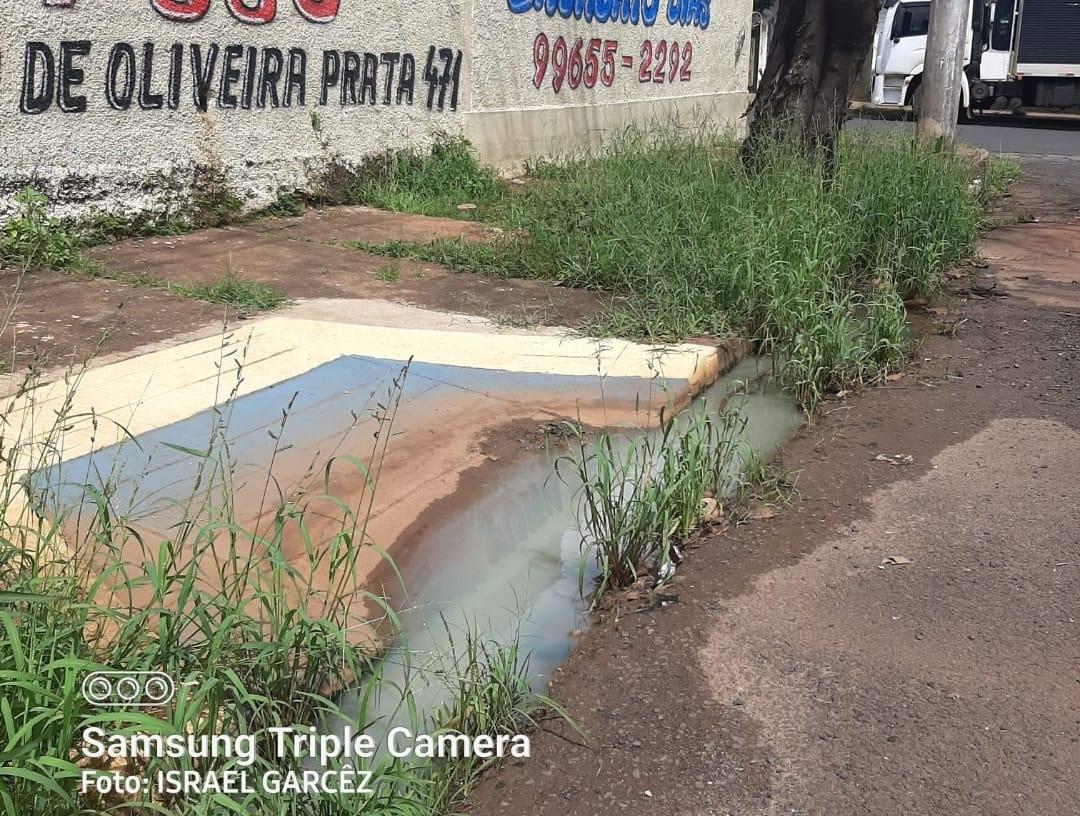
[963, 114]
[916, 101]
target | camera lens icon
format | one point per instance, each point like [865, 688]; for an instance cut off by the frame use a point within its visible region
[158, 689]
[115, 689]
[97, 689]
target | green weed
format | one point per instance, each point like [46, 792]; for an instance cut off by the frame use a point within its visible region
[489, 693]
[286, 205]
[998, 173]
[240, 293]
[493, 258]
[763, 484]
[388, 273]
[230, 289]
[640, 496]
[436, 184]
[212, 202]
[34, 240]
[105, 228]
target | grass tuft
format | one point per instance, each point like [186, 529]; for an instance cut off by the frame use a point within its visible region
[437, 183]
[489, 693]
[388, 273]
[641, 496]
[240, 293]
[243, 294]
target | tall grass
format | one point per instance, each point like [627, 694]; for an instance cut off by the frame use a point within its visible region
[489, 692]
[33, 239]
[812, 263]
[436, 184]
[261, 625]
[640, 496]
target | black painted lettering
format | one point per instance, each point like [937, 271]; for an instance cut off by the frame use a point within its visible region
[230, 77]
[272, 64]
[369, 80]
[250, 64]
[406, 79]
[390, 60]
[202, 71]
[331, 74]
[350, 76]
[39, 78]
[456, 80]
[71, 76]
[176, 70]
[120, 77]
[148, 100]
[447, 56]
[296, 82]
[431, 77]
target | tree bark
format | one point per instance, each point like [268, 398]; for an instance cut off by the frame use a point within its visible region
[815, 52]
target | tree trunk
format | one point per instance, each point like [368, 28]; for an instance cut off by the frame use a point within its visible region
[815, 52]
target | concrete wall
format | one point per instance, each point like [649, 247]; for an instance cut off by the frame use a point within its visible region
[124, 105]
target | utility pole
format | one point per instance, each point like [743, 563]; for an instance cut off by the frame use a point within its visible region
[939, 93]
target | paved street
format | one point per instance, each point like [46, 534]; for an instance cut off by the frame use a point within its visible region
[1028, 136]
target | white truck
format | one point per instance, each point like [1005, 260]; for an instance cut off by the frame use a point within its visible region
[1019, 54]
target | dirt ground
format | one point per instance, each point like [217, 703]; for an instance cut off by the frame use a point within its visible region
[902, 639]
[60, 319]
[305, 257]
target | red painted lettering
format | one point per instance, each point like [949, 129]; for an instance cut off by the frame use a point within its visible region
[318, 11]
[254, 13]
[185, 11]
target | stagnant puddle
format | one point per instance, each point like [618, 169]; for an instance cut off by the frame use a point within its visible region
[506, 565]
[381, 441]
[490, 548]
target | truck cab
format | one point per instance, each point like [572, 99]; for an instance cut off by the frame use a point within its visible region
[1018, 53]
[900, 47]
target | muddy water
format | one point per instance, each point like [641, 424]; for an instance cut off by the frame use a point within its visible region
[491, 547]
[506, 565]
[317, 433]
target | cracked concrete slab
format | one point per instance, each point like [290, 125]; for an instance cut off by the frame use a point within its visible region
[1037, 262]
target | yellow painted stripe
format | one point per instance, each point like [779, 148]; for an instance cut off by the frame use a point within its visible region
[158, 388]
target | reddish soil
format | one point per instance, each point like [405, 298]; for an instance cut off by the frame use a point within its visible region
[303, 258]
[802, 671]
[58, 319]
[355, 223]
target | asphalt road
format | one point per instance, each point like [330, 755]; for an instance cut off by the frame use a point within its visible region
[1020, 136]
